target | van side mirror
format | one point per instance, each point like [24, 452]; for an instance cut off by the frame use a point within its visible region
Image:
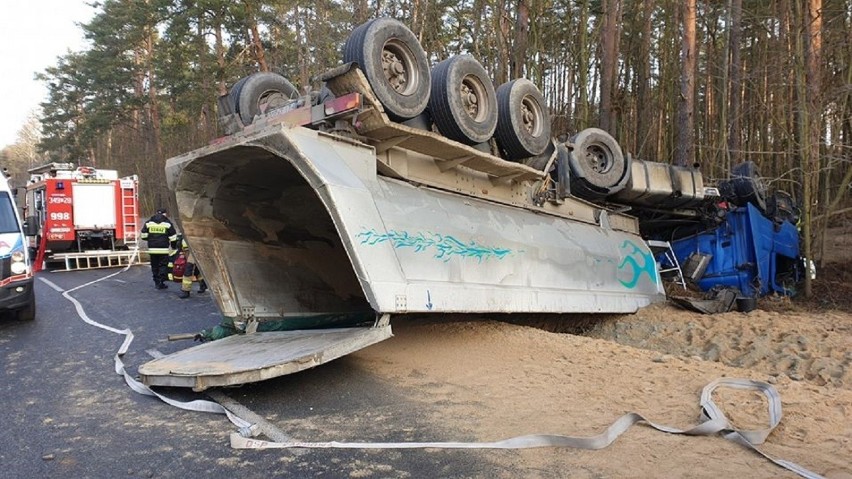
[31, 226]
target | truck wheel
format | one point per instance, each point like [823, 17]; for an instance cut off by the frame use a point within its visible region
[597, 158]
[26, 313]
[234, 94]
[748, 185]
[395, 65]
[262, 92]
[324, 95]
[463, 103]
[523, 126]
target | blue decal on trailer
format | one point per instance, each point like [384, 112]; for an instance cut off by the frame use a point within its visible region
[649, 265]
[444, 246]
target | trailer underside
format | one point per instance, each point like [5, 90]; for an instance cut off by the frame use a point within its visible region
[307, 229]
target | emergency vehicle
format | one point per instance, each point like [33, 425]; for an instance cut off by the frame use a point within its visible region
[16, 274]
[82, 215]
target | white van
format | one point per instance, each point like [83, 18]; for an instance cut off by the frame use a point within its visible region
[16, 272]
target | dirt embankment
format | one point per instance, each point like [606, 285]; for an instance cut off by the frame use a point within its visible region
[803, 346]
[803, 339]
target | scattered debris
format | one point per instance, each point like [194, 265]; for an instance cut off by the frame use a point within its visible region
[717, 300]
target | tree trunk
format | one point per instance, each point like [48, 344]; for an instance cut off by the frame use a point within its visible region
[814, 83]
[501, 27]
[153, 100]
[220, 59]
[787, 90]
[736, 90]
[808, 82]
[301, 20]
[476, 31]
[725, 96]
[609, 60]
[256, 45]
[685, 148]
[583, 67]
[361, 11]
[420, 18]
[522, 29]
[644, 115]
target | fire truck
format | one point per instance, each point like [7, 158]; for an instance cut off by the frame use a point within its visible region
[82, 216]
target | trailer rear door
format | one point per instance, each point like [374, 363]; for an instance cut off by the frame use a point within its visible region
[246, 358]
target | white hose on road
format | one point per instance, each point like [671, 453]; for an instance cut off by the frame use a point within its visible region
[199, 405]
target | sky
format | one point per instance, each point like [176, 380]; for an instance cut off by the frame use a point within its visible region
[36, 32]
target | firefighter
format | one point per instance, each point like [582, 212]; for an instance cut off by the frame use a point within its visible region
[160, 234]
[190, 274]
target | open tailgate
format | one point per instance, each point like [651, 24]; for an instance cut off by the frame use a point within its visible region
[247, 358]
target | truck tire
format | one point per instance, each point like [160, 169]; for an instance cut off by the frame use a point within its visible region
[324, 95]
[395, 66]
[262, 92]
[463, 103]
[523, 126]
[597, 158]
[26, 313]
[234, 94]
[748, 186]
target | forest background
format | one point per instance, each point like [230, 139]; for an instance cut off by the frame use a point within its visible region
[712, 83]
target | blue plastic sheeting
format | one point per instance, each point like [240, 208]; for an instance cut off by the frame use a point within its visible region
[749, 252]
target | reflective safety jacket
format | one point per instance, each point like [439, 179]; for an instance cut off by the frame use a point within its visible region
[159, 232]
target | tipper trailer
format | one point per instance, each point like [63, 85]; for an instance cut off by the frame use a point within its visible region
[341, 209]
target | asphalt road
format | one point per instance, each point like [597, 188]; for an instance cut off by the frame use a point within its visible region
[66, 413]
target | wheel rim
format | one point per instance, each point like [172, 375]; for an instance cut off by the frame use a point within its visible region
[474, 98]
[531, 116]
[399, 66]
[599, 158]
[270, 100]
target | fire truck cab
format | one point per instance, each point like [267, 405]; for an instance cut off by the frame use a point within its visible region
[77, 209]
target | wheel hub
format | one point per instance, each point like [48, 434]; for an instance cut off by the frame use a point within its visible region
[394, 70]
[271, 100]
[529, 118]
[599, 159]
[398, 66]
[474, 98]
[469, 100]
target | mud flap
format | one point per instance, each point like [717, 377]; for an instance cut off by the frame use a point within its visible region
[247, 358]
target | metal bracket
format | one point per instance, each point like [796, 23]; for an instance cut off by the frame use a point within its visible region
[385, 145]
[401, 303]
[382, 320]
[247, 313]
[450, 164]
[603, 219]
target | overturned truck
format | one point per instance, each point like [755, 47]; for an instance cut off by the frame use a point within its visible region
[399, 189]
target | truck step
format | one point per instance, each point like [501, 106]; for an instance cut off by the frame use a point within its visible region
[669, 267]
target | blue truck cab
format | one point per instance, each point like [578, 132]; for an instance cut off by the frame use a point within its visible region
[16, 273]
[748, 251]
